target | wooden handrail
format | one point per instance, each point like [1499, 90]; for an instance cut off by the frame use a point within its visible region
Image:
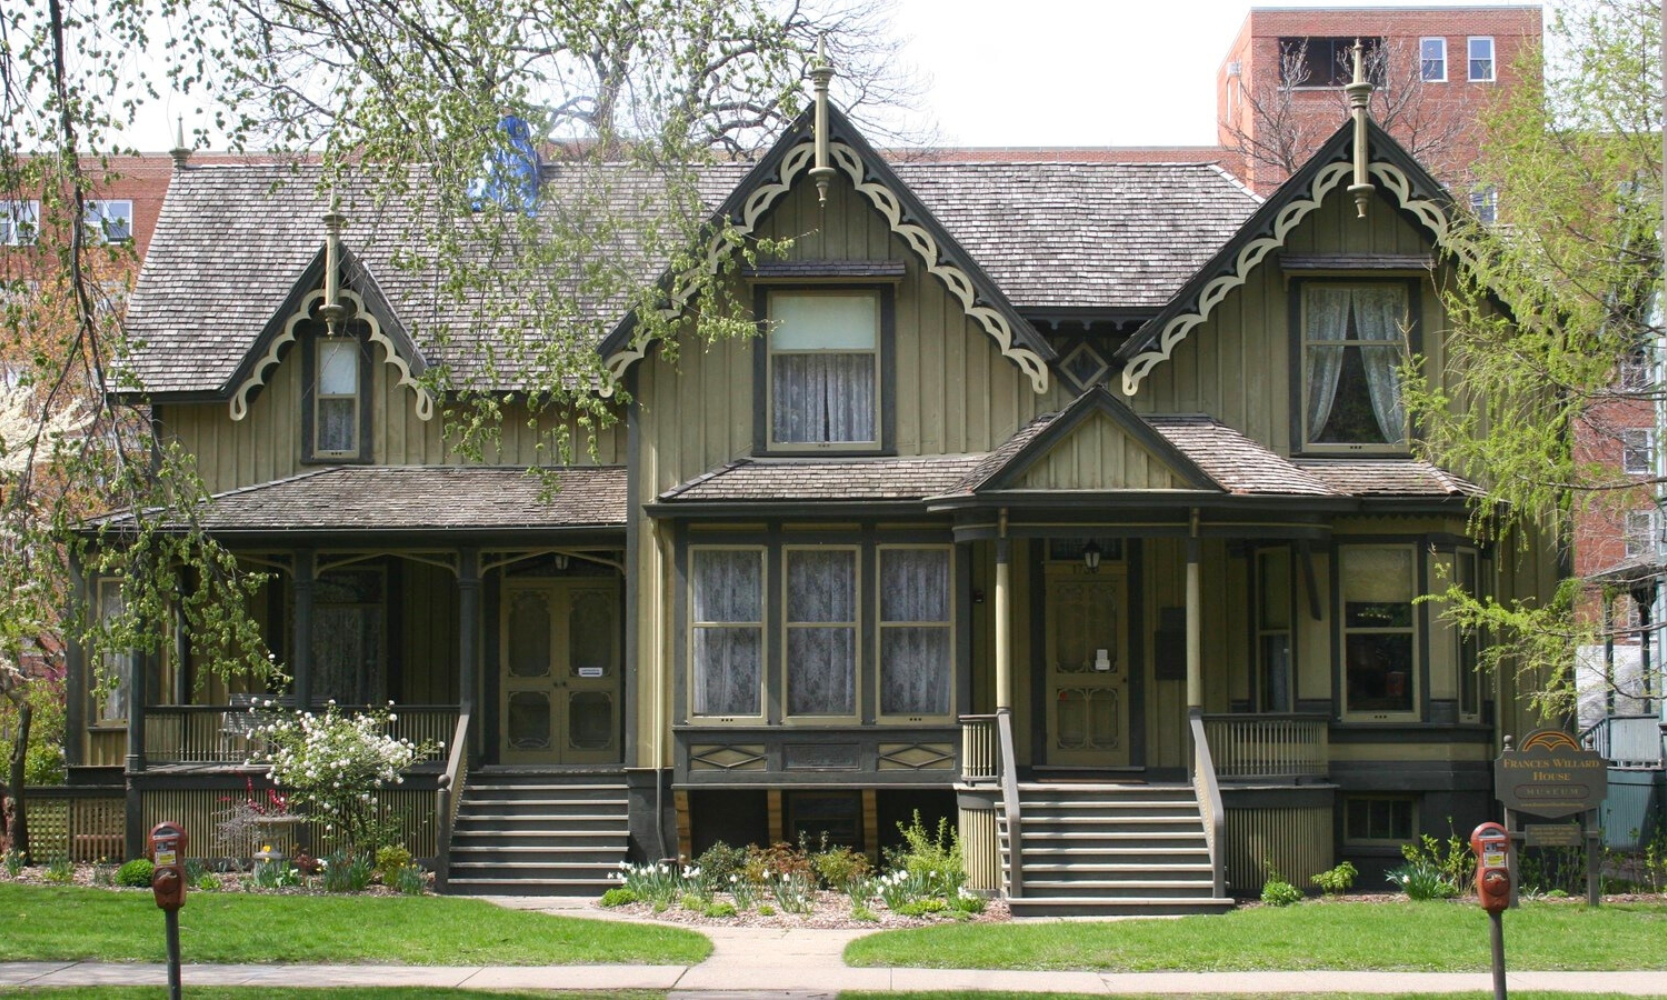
[1209, 800]
[1010, 804]
[450, 795]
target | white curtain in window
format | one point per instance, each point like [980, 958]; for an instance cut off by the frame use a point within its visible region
[1378, 312]
[728, 587]
[823, 398]
[1327, 320]
[915, 672]
[821, 661]
[116, 667]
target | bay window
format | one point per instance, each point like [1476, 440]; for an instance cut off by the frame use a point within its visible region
[1379, 583]
[726, 604]
[916, 672]
[822, 384]
[821, 624]
[1352, 349]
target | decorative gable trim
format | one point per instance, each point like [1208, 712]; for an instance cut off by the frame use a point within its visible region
[937, 250]
[369, 304]
[1400, 178]
[1096, 401]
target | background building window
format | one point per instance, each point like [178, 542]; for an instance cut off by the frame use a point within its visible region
[824, 352]
[1273, 631]
[1481, 60]
[821, 623]
[1432, 55]
[1326, 62]
[1352, 348]
[1484, 204]
[1636, 446]
[336, 403]
[915, 647]
[727, 647]
[1640, 533]
[1379, 663]
[110, 221]
[19, 222]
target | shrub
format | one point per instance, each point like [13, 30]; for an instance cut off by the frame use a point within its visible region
[864, 914]
[932, 859]
[766, 910]
[410, 881]
[717, 863]
[657, 882]
[1278, 892]
[923, 907]
[794, 892]
[618, 896]
[61, 870]
[14, 863]
[390, 861]
[1451, 859]
[207, 883]
[837, 867]
[969, 902]
[273, 875]
[344, 872]
[719, 910]
[780, 858]
[1336, 880]
[1422, 880]
[136, 874]
[694, 902]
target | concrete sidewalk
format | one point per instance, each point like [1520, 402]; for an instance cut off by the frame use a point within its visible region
[804, 964]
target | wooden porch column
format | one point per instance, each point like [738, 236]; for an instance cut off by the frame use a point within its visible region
[137, 682]
[1195, 622]
[75, 673]
[1003, 612]
[301, 651]
[468, 624]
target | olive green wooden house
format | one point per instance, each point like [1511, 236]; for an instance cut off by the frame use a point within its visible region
[1073, 502]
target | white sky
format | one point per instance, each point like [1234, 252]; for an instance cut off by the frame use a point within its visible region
[1037, 72]
[1082, 72]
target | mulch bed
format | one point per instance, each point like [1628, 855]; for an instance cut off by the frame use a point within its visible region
[831, 910]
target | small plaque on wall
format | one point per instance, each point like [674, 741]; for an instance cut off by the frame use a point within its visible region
[819, 757]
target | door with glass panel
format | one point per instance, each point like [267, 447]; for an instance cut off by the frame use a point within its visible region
[1087, 685]
[559, 700]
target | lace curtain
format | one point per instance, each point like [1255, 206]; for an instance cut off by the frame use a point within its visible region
[821, 632]
[823, 398]
[338, 395]
[915, 673]
[728, 599]
[1376, 312]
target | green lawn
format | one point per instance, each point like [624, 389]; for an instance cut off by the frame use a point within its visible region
[59, 923]
[1414, 937]
[1515, 994]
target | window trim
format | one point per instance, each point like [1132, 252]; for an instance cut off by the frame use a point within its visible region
[785, 625]
[1297, 313]
[1471, 60]
[691, 624]
[1424, 61]
[97, 213]
[310, 398]
[1412, 820]
[1417, 633]
[885, 371]
[30, 216]
[881, 717]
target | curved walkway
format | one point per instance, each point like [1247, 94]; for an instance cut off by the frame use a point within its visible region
[803, 964]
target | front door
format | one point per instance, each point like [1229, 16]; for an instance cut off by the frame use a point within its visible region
[1087, 686]
[559, 698]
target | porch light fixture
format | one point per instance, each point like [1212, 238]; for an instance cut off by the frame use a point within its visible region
[560, 560]
[1091, 556]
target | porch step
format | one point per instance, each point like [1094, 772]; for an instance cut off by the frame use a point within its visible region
[539, 833]
[1110, 849]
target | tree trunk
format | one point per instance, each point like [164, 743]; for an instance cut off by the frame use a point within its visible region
[17, 816]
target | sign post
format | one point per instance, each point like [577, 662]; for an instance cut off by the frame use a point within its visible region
[1550, 776]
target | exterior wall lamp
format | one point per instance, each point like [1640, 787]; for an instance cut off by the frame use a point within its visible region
[1091, 556]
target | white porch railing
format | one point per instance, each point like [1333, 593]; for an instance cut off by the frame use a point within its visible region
[1629, 741]
[1284, 747]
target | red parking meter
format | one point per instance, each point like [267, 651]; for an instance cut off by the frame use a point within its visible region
[1492, 844]
[167, 852]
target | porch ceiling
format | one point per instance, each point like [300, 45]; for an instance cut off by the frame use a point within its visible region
[410, 498]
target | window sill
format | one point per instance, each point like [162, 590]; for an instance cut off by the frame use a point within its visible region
[337, 460]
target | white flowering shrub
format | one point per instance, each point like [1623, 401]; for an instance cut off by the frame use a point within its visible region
[334, 764]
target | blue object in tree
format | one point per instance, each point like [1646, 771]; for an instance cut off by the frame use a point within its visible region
[509, 174]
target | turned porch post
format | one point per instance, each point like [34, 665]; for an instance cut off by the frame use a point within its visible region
[1195, 622]
[301, 652]
[1003, 612]
[468, 624]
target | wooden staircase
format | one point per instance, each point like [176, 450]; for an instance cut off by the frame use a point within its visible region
[1092, 849]
[531, 832]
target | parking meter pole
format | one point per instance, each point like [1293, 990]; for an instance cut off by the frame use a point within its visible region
[172, 917]
[1497, 923]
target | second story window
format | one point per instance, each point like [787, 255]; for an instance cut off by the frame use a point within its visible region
[1481, 60]
[337, 372]
[1352, 349]
[19, 222]
[1640, 533]
[1635, 451]
[823, 381]
[1484, 204]
[1432, 59]
[1326, 62]
[110, 221]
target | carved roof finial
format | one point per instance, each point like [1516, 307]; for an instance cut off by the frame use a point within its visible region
[821, 71]
[332, 311]
[1360, 94]
[181, 152]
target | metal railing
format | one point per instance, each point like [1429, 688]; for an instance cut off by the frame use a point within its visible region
[450, 796]
[225, 734]
[1629, 741]
[1209, 800]
[1269, 746]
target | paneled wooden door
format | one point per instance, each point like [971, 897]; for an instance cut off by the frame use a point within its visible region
[1087, 686]
[559, 700]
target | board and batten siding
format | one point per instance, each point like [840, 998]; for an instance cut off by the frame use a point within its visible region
[266, 445]
[1099, 455]
[1236, 365]
[953, 393]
